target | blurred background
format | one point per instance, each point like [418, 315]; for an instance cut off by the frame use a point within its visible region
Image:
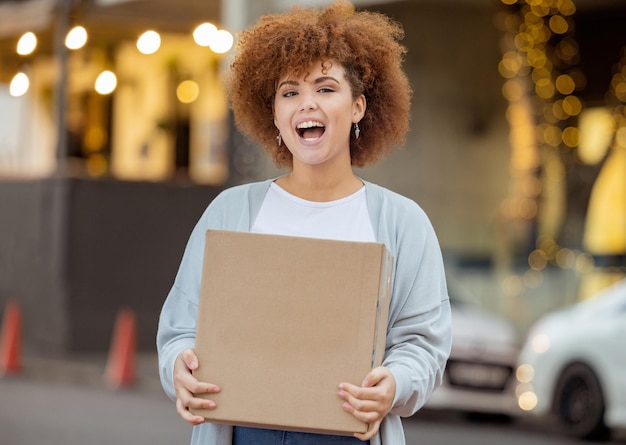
[115, 134]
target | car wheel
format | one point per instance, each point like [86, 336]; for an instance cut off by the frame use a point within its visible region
[579, 403]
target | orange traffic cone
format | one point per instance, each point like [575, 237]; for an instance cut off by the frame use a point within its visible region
[10, 348]
[121, 365]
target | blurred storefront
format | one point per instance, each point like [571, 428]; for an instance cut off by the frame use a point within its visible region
[109, 150]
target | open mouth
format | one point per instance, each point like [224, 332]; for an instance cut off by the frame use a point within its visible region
[311, 130]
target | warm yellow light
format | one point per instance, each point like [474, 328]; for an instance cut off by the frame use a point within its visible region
[19, 85]
[27, 44]
[596, 127]
[523, 41]
[512, 286]
[527, 401]
[570, 136]
[565, 84]
[204, 34]
[95, 138]
[76, 38]
[605, 224]
[558, 24]
[149, 42]
[540, 343]
[537, 260]
[546, 243]
[572, 105]
[222, 42]
[566, 7]
[187, 91]
[585, 262]
[525, 373]
[106, 83]
[537, 58]
[566, 258]
[620, 137]
[97, 165]
[544, 88]
[512, 90]
[555, 171]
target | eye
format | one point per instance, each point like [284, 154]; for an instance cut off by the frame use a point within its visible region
[290, 93]
[326, 90]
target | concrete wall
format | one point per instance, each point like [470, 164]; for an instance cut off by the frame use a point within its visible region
[456, 160]
[73, 252]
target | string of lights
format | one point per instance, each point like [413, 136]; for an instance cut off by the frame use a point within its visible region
[220, 41]
[539, 65]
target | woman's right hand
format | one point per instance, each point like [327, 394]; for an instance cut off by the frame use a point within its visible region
[186, 385]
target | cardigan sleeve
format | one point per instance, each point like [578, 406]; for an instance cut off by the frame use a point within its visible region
[177, 321]
[419, 332]
[233, 209]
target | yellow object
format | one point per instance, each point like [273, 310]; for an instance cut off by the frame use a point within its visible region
[605, 228]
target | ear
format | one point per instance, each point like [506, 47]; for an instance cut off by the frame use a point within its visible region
[358, 108]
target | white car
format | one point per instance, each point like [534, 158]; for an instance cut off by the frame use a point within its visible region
[573, 366]
[479, 377]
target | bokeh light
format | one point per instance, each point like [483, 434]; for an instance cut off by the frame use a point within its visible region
[106, 83]
[149, 42]
[19, 85]
[223, 42]
[204, 34]
[187, 91]
[76, 38]
[540, 343]
[527, 401]
[26, 44]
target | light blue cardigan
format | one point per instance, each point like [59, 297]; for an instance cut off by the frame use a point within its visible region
[419, 333]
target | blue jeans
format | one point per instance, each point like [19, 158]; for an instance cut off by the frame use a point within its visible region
[259, 436]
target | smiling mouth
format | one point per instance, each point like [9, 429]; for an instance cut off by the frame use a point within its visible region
[311, 130]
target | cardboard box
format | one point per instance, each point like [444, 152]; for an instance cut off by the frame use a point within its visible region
[283, 320]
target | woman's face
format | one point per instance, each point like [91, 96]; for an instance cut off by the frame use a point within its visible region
[315, 113]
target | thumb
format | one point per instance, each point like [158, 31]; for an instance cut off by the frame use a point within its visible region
[190, 359]
[373, 377]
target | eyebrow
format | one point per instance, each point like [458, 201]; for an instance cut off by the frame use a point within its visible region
[317, 81]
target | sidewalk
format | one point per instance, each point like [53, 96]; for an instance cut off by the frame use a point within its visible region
[89, 370]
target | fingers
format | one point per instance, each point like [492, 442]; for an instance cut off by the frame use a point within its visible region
[370, 402]
[365, 409]
[186, 415]
[187, 387]
[371, 431]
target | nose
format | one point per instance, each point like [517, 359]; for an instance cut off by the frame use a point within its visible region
[308, 102]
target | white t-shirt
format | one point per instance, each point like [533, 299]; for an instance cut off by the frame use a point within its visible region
[344, 219]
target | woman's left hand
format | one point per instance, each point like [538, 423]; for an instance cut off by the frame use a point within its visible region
[371, 401]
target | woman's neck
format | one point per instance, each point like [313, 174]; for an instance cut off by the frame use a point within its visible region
[316, 186]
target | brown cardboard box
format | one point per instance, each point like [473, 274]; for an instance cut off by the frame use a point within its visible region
[283, 320]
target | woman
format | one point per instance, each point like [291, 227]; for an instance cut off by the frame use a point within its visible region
[323, 91]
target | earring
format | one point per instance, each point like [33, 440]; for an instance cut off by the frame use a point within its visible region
[279, 139]
[357, 130]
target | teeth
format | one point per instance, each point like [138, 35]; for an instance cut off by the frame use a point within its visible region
[310, 124]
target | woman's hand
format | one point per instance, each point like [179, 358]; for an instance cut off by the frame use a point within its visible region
[186, 385]
[371, 401]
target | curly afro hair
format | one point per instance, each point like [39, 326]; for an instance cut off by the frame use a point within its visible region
[365, 43]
